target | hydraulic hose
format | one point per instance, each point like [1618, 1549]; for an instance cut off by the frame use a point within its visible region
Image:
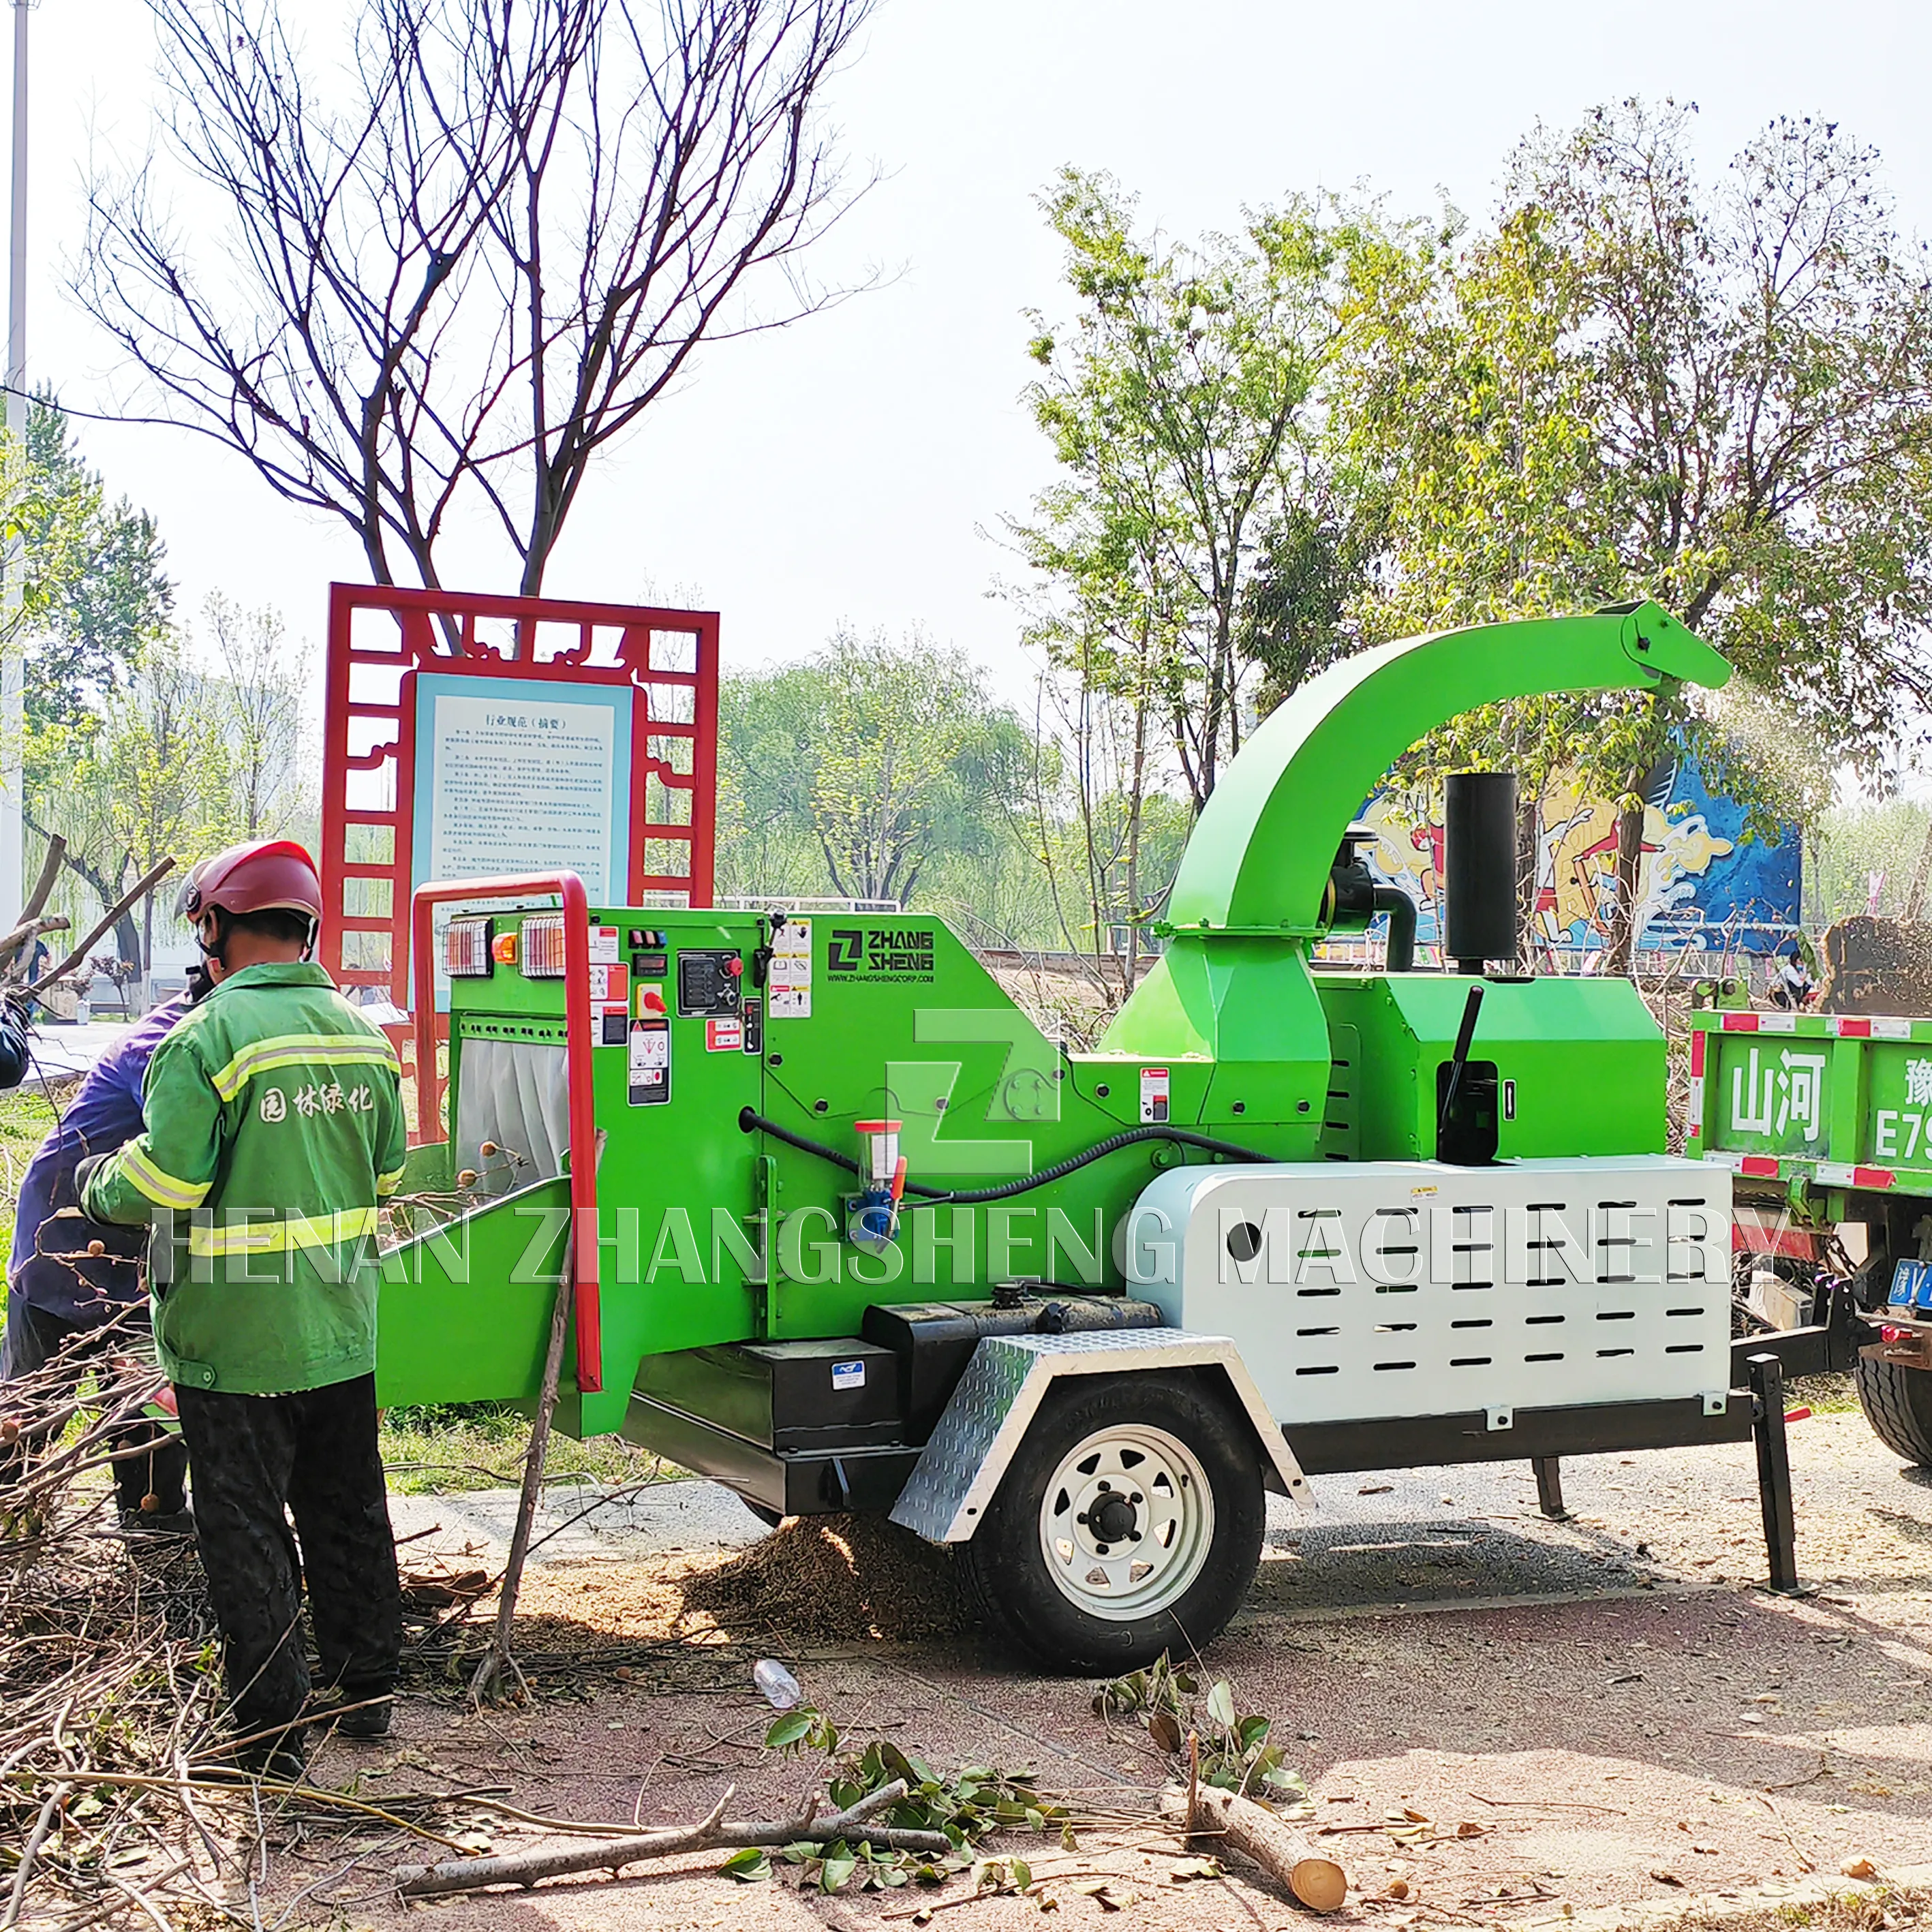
[918, 1196]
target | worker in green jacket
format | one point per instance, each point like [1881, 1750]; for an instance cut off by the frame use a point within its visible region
[274, 1125]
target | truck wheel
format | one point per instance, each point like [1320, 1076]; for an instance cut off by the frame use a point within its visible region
[1129, 1522]
[1897, 1403]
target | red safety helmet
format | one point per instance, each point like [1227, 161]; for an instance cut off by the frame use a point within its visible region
[265, 875]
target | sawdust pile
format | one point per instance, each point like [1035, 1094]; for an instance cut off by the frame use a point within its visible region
[840, 1576]
[815, 1578]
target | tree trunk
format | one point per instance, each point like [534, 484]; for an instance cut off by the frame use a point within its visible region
[127, 934]
[1621, 955]
[1137, 811]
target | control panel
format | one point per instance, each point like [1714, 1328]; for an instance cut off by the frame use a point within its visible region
[709, 984]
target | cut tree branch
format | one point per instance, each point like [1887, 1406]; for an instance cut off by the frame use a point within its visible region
[141, 889]
[716, 1831]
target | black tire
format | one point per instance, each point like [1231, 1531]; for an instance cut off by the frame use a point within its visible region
[1005, 1562]
[1897, 1403]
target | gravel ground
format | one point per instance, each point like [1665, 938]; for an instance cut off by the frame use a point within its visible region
[1583, 1714]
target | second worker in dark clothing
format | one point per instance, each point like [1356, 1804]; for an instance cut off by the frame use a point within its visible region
[74, 1286]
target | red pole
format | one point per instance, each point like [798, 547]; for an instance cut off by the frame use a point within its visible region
[584, 1248]
[704, 771]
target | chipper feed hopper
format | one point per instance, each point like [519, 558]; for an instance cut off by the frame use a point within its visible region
[857, 1236]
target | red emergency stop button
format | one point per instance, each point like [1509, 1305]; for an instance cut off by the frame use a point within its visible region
[733, 966]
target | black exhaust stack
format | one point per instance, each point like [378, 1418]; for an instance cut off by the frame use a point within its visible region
[1479, 869]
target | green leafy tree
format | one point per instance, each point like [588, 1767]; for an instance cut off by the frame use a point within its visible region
[910, 752]
[855, 771]
[1196, 531]
[95, 580]
[766, 844]
[146, 776]
[1636, 384]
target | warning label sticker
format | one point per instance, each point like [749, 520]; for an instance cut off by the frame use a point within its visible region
[724, 1036]
[650, 1072]
[609, 982]
[1153, 1095]
[790, 987]
[603, 945]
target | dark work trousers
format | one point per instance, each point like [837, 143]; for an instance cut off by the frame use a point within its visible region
[34, 1336]
[314, 1453]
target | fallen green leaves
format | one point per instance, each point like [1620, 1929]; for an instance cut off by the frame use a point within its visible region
[966, 1807]
[1236, 1750]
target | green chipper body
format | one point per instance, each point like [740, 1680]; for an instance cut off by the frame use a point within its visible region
[721, 1040]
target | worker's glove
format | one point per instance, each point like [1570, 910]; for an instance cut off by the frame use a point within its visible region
[85, 1173]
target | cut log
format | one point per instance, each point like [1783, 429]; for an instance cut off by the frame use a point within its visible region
[1312, 1878]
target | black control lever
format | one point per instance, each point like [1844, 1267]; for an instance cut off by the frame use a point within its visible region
[1466, 1035]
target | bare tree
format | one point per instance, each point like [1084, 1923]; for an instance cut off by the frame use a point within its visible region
[264, 710]
[461, 283]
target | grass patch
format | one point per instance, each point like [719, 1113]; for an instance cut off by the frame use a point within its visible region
[444, 1449]
[1824, 1395]
[1883, 1908]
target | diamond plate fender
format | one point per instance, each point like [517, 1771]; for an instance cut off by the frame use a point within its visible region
[1004, 1384]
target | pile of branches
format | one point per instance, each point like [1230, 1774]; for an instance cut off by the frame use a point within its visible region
[116, 1802]
[109, 1685]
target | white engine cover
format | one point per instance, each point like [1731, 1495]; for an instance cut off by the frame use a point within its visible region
[1356, 1290]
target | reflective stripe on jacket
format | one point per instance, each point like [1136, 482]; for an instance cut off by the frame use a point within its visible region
[274, 1127]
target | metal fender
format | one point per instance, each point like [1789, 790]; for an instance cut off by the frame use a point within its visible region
[1003, 1388]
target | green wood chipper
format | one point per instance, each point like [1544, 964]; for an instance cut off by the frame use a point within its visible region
[857, 1235]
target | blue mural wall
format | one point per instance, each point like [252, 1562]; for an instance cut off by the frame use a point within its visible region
[1700, 884]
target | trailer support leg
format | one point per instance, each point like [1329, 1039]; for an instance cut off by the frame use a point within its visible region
[1774, 1472]
[1549, 1486]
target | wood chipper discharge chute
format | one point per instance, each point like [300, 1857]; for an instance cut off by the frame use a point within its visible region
[865, 1238]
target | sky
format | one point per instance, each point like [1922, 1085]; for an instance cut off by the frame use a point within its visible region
[847, 471]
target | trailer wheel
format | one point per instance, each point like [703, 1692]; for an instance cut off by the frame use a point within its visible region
[1897, 1403]
[1128, 1522]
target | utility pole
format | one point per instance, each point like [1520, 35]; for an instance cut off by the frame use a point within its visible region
[13, 657]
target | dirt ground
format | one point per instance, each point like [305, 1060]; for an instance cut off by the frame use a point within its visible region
[1499, 1719]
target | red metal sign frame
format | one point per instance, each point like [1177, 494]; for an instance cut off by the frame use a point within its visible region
[472, 633]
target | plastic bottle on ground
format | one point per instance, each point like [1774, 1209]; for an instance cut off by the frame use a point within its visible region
[776, 1684]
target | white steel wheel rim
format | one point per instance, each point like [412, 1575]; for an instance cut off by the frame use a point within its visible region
[1126, 1521]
